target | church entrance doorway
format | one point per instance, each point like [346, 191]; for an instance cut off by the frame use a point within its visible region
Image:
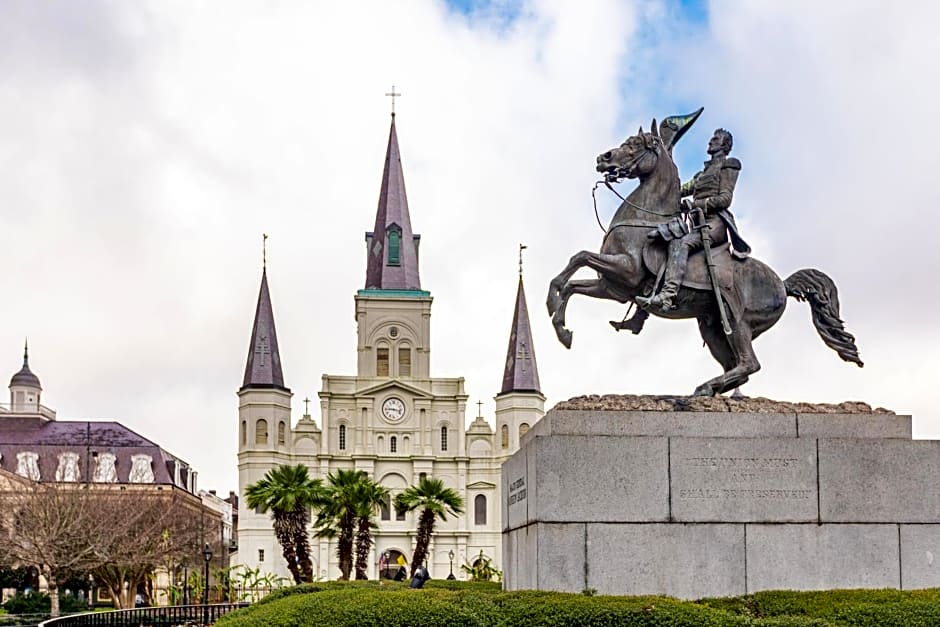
[393, 565]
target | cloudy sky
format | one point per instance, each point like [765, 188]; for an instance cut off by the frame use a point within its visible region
[146, 146]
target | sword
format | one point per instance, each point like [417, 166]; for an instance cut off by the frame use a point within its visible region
[702, 227]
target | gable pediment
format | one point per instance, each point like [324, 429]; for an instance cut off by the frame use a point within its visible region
[394, 384]
[481, 485]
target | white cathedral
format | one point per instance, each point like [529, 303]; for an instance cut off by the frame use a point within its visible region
[391, 419]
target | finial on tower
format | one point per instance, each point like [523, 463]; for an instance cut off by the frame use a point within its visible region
[479, 409]
[264, 251]
[393, 95]
[26, 352]
[521, 248]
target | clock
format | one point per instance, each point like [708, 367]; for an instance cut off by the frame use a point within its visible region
[393, 409]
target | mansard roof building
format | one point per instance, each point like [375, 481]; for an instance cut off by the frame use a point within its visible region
[35, 445]
[392, 418]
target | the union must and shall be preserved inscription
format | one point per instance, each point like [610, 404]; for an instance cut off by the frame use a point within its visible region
[743, 480]
[517, 491]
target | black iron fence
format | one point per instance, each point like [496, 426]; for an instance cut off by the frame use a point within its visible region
[170, 616]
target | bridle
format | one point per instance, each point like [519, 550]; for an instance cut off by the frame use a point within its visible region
[621, 173]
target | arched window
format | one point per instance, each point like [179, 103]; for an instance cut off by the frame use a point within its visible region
[393, 444]
[404, 361]
[504, 432]
[244, 432]
[479, 510]
[394, 247]
[386, 508]
[261, 432]
[342, 437]
[443, 438]
[281, 433]
[381, 361]
[523, 428]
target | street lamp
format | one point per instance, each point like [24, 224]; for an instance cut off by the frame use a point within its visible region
[207, 555]
[450, 554]
[386, 556]
[91, 591]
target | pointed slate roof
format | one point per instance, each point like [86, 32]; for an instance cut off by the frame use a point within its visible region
[263, 369]
[383, 272]
[25, 376]
[521, 374]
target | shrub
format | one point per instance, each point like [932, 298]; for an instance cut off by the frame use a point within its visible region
[39, 603]
[466, 604]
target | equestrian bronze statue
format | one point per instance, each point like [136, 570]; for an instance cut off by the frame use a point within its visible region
[694, 251]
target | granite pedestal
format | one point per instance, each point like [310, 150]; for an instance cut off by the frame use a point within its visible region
[718, 503]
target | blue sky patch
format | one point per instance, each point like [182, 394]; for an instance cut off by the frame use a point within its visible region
[502, 11]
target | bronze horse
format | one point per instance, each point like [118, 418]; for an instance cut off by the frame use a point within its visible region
[755, 297]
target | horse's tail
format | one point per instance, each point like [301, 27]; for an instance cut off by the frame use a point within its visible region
[823, 297]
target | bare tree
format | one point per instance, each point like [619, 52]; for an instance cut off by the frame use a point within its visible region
[51, 529]
[147, 531]
[121, 533]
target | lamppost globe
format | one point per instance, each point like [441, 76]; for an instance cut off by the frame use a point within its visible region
[450, 554]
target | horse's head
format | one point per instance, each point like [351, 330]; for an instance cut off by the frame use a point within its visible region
[636, 157]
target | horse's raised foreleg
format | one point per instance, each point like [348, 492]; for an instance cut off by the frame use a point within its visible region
[562, 287]
[556, 285]
[735, 353]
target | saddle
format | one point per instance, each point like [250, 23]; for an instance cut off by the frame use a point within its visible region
[696, 273]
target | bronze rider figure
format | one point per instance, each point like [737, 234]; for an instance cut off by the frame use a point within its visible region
[711, 190]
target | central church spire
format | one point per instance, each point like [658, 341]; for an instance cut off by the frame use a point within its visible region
[392, 248]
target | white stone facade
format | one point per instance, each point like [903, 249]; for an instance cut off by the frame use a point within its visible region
[395, 427]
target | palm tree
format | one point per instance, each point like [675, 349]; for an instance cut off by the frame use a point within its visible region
[435, 501]
[338, 511]
[371, 497]
[288, 492]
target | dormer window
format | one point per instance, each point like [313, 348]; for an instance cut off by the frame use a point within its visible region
[394, 247]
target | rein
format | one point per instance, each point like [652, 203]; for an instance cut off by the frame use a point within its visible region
[606, 181]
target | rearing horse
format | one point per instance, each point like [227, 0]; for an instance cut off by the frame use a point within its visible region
[755, 296]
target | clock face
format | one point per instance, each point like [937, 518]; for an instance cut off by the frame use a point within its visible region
[393, 409]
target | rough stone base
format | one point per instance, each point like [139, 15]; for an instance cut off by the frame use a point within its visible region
[696, 503]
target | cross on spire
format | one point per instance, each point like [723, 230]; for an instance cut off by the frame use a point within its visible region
[264, 250]
[306, 407]
[523, 355]
[479, 409]
[392, 94]
[521, 248]
[263, 348]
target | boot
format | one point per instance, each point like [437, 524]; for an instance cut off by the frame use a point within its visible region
[675, 270]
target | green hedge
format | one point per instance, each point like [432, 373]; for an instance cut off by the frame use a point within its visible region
[462, 604]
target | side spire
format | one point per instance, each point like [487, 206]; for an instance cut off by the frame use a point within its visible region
[392, 247]
[263, 369]
[521, 373]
